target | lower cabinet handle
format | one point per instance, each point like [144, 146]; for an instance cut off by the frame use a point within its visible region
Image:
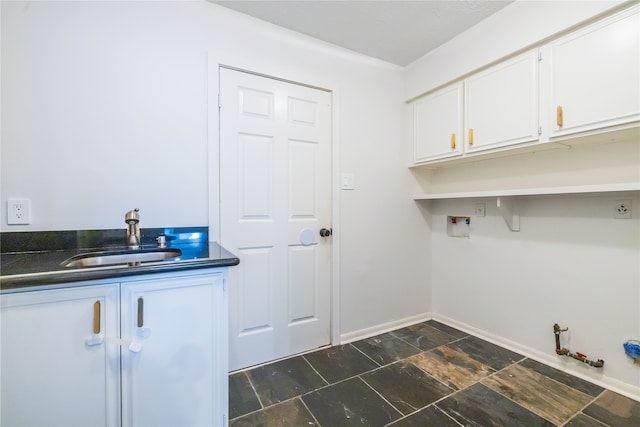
[140, 312]
[96, 338]
[470, 136]
[96, 317]
[559, 116]
[453, 141]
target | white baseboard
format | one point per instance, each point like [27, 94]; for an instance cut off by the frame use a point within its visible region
[383, 328]
[561, 363]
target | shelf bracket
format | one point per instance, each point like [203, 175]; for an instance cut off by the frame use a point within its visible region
[510, 211]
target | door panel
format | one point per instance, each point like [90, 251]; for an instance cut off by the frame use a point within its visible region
[255, 153]
[275, 196]
[302, 286]
[254, 290]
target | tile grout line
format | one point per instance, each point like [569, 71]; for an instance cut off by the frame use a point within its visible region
[559, 382]
[509, 398]
[580, 411]
[379, 367]
[316, 371]
[367, 356]
[447, 415]
[329, 384]
[381, 396]
[585, 407]
[495, 371]
[253, 387]
[403, 340]
[299, 397]
[454, 391]
[309, 410]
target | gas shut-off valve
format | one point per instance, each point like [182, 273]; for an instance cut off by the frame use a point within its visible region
[578, 356]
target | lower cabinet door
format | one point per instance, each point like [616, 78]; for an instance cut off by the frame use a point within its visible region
[174, 352]
[57, 367]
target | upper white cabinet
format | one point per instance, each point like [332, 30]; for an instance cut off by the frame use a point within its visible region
[593, 76]
[437, 125]
[501, 104]
[494, 108]
[573, 88]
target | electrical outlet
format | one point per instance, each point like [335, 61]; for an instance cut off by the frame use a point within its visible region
[18, 211]
[479, 209]
[622, 209]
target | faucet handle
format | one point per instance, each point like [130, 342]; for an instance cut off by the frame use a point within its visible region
[132, 216]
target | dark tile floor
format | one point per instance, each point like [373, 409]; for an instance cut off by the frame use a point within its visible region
[427, 374]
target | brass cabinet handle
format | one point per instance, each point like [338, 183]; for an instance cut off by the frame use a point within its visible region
[470, 136]
[559, 116]
[453, 141]
[140, 312]
[96, 317]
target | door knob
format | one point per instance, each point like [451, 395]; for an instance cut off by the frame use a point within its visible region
[326, 232]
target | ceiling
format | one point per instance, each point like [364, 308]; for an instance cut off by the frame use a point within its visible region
[395, 31]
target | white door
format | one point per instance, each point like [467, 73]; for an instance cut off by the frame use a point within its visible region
[275, 198]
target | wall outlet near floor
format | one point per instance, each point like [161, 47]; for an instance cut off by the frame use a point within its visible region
[18, 211]
[622, 209]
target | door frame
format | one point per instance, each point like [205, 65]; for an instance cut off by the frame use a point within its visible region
[213, 176]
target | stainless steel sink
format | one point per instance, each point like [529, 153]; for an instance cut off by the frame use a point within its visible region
[133, 257]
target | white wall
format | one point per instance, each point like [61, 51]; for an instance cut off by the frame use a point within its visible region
[108, 106]
[572, 262]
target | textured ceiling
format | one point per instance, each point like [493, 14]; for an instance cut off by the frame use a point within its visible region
[395, 31]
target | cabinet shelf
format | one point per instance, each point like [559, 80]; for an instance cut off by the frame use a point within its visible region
[507, 200]
[539, 191]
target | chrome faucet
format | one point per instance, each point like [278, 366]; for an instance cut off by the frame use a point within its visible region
[133, 228]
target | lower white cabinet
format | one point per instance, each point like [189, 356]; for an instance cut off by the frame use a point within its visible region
[54, 370]
[139, 353]
[174, 371]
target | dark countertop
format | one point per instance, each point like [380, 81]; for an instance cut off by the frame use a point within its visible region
[21, 271]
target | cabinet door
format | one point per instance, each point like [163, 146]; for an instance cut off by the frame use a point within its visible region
[55, 369]
[174, 372]
[437, 121]
[593, 76]
[501, 104]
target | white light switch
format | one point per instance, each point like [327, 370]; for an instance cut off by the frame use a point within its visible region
[348, 181]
